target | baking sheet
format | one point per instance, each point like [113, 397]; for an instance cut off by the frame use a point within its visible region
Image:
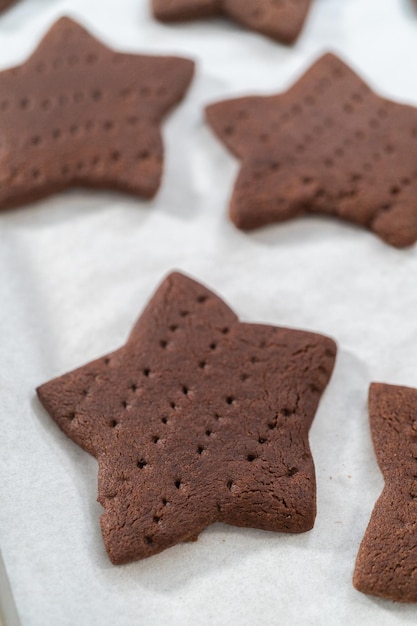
[75, 272]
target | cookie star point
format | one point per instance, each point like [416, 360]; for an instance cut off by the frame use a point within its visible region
[198, 418]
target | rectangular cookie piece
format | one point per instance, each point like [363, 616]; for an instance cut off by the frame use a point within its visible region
[386, 565]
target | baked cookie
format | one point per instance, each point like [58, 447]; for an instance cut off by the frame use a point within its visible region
[328, 145]
[386, 564]
[279, 19]
[198, 418]
[78, 113]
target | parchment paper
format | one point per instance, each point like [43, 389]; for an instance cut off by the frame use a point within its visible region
[75, 272]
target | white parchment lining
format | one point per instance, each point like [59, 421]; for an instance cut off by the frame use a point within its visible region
[75, 272]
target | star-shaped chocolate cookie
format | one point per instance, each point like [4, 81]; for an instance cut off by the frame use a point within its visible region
[329, 145]
[279, 19]
[198, 418]
[78, 113]
[386, 565]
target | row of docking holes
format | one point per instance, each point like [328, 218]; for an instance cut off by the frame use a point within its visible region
[80, 97]
[317, 131]
[308, 101]
[271, 425]
[79, 167]
[230, 400]
[74, 60]
[78, 130]
[173, 405]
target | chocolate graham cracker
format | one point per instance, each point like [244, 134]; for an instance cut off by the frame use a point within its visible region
[78, 113]
[198, 418]
[328, 145]
[279, 19]
[386, 564]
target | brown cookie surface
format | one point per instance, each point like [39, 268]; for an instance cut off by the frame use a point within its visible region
[5, 4]
[279, 19]
[386, 564]
[198, 418]
[329, 145]
[78, 113]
